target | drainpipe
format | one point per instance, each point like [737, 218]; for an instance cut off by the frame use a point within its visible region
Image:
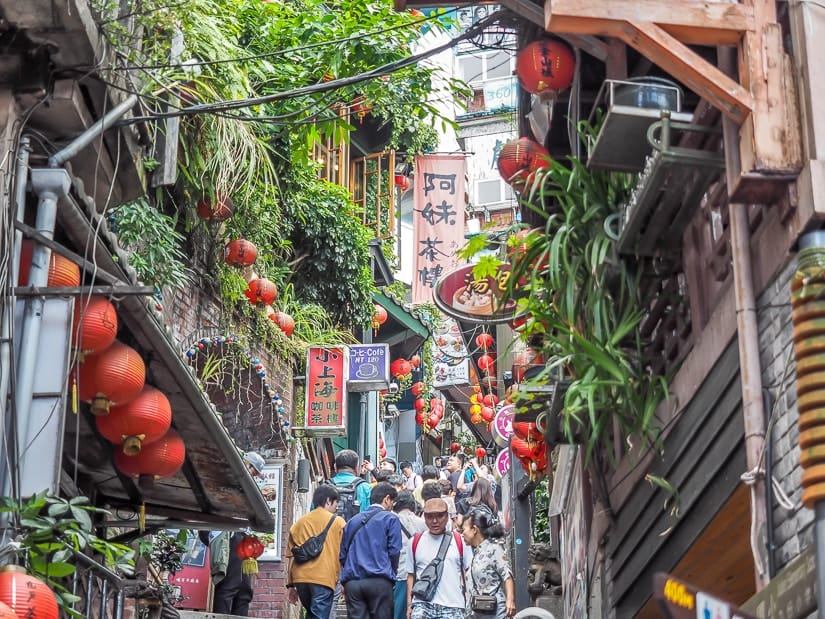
[750, 371]
[50, 184]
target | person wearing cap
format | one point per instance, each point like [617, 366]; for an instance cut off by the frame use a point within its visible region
[448, 601]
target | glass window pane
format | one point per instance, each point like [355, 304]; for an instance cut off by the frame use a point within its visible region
[498, 65]
[470, 68]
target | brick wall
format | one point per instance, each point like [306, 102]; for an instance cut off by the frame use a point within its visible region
[248, 414]
[793, 529]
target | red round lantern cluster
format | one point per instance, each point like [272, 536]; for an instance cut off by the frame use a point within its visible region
[249, 549]
[25, 595]
[284, 322]
[240, 253]
[113, 377]
[261, 292]
[219, 208]
[400, 368]
[545, 65]
[160, 459]
[519, 159]
[142, 421]
[95, 325]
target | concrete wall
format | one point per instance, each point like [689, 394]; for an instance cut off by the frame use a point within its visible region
[792, 528]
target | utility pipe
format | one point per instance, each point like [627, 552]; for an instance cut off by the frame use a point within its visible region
[750, 369]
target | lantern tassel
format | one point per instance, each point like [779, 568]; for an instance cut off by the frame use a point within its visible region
[142, 517]
[249, 566]
[74, 398]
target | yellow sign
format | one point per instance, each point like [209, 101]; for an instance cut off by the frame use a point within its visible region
[676, 593]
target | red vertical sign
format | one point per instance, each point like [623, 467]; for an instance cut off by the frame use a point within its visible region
[438, 219]
[326, 394]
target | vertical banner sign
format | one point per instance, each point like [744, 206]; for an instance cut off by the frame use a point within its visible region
[326, 394]
[438, 219]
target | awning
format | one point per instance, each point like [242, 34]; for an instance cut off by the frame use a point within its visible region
[213, 490]
[408, 328]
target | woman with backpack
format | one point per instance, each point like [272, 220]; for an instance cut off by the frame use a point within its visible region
[490, 579]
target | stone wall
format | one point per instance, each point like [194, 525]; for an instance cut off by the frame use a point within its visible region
[793, 528]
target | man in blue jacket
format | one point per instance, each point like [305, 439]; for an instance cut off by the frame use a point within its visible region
[369, 556]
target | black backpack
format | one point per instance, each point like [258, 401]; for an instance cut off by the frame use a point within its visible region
[348, 504]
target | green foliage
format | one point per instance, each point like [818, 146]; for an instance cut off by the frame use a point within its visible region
[51, 531]
[155, 244]
[541, 507]
[166, 551]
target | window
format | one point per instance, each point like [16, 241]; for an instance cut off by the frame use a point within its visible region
[491, 191]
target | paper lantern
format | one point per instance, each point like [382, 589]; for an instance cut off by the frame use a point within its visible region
[379, 316]
[400, 367]
[95, 325]
[140, 422]
[26, 595]
[112, 377]
[284, 321]
[480, 452]
[527, 431]
[485, 363]
[419, 404]
[160, 459]
[484, 340]
[545, 65]
[417, 389]
[261, 292]
[487, 413]
[402, 181]
[455, 447]
[519, 159]
[249, 549]
[240, 253]
[62, 271]
[220, 208]
[6, 612]
[490, 400]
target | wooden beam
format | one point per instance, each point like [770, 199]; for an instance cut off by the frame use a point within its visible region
[695, 72]
[700, 23]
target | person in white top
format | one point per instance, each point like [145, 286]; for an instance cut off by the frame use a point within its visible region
[413, 479]
[447, 600]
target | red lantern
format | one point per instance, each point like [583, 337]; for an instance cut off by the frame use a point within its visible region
[284, 321]
[527, 430]
[436, 415]
[95, 325]
[219, 209]
[400, 367]
[436, 403]
[62, 271]
[526, 449]
[261, 292]
[487, 413]
[518, 159]
[26, 595]
[112, 377]
[419, 418]
[415, 361]
[455, 447]
[240, 253]
[545, 65]
[6, 612]
[402, 181]
[480, 452]
[249, 549]
[379, 317]
[490, 400]
[140, 422]
[160, 459]
[484, 340]
[485, 363]
[419, 404]
[417, 388]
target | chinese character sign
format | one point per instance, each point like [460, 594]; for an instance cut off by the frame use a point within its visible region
[438, 219]
[326, 394]
[369, 367]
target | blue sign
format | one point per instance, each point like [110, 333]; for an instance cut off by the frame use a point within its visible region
[369, 367]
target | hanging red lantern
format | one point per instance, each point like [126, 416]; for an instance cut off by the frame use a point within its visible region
[545, 65]
[436, 415]
[6, 612]
[402, 181]
[140, 422]
[160, 459]
[95, 325]
[419, 418]
[518, 159]
[249, 549]
[490, 400]
[455, 447]
[379, 316]
[526, 449]
[400, 367]
[220, 208]
[261, 292]
[284, 321]
[417, 388]
[527, 431]
[62, 271]
[419, 404]
[484, 340]
[480, 452]
[485, 362]
[436, 403]
[415, 361]
[26, 595]
[112, 377]
[240, 253]
[487, 413]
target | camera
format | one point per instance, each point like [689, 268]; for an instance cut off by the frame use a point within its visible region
[393, 388]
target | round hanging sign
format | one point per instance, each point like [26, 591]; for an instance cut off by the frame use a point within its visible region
[502, 465]
[503, 425]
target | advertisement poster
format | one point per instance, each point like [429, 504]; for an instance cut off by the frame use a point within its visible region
[272, 487]
[192, 581]
[450, 356]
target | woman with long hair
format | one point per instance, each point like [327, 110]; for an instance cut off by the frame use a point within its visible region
[490, 575]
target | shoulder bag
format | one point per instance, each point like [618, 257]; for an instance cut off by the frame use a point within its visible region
[311, 549]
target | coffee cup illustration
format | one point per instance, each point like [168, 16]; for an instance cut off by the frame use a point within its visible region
[366, 370]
